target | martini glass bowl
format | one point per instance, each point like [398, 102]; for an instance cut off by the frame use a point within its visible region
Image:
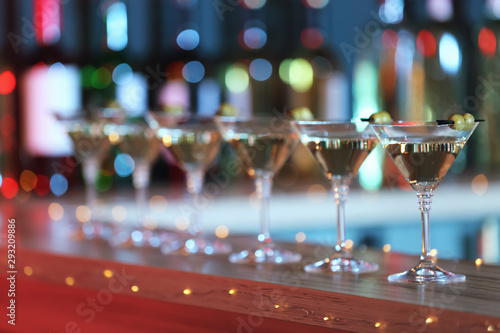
[339, 148]
[90, 146]
[263, 145]
[424, 152]
[134, 137]
[194, 144]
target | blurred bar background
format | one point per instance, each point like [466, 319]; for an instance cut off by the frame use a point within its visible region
[419, 60]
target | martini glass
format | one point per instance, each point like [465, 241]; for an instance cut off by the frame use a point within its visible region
[194, 144]
[263, 145]
[134, 137]
[423, 153]
[90, 146]
[339, 148]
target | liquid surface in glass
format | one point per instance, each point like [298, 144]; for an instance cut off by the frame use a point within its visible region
[425, 162]
[193, 150]
[140, 145]
[340, 157]
[263, 152]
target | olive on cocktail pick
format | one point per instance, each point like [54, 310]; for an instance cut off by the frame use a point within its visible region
[469, 121]
[458, 122]
[228, 110]
[302, 113]
[382, 117]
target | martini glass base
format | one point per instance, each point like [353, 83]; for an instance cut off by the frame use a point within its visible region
[89, 231]
[196, 246]
[265, 255]
[426, 272]
[341, 265]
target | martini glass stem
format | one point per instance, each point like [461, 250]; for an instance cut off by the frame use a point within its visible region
[424, 203]
[263, 189]
[341, 192]
[90, 169]
[140, 179]
[194, 181]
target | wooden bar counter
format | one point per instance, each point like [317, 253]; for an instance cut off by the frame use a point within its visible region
[66, 286]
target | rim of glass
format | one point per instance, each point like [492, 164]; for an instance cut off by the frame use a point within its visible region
[402, 123]
[329, 122]
[250, 118]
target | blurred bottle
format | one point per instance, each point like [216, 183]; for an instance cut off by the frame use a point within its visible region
[251, 80]
[45, 54]
[119, 44]
[487, 91]
[192, 36]
[9, 143]
[312, 72]
[388, 75]
[441, 43]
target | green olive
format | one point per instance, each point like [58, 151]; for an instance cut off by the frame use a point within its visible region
[375, 118]
[228, 110]
[302, 113]
[458, 122]
[385, 117]
[381, 117]
[469, 121]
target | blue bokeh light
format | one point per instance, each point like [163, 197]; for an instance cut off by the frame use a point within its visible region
[255, 37]
[58, 184]
[188, 39]
[122, 74]
[193, 71]
[124, 165]
[261, 69]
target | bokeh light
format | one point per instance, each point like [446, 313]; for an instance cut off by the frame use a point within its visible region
[301, 75]
[56, 211]
[188, 39]
[7, 83]
[193, 71]
[487, 42]
[42, 187]
[450, 55]
[390, 38]
[9, 188]
[58, 184]
[158, 204]
[122, 74]
[311, 38]
[254, 4]
[69, 281]
[83, 214]
[101, 78]
[28, 271]
[237, 79]
[119, 213]
[284, 70]
[182, 223]
[260, 69]
[317, 4]
[426, 43]
[300, 237]
[254, 38]
[124, 165]
[27, 180]
[316, 193]
[221, 231]
[479, 184]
